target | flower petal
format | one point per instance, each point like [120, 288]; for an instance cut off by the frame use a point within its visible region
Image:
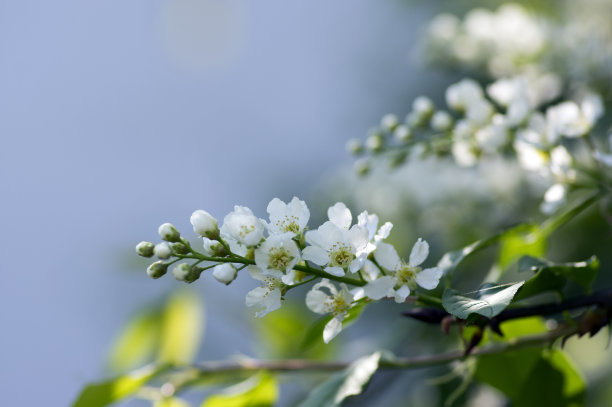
[335, 271]
[340, 215]
[387, 256]
[316, 301]
[402, 293]
[429, 278]
[332, 328]
[379, 288]
[419, 253]
[316, 255]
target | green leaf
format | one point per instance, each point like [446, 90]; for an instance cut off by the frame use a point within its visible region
[107, 392]
[314, 335]
[520, 241]
[260, 390]
[450, 260]
[171, 402]
[487, 302]
[136, 343]
[181, 329]
[533, 377]
[550, 276]
[341, 385]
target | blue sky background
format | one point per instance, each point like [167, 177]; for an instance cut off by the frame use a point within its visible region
[117, 116]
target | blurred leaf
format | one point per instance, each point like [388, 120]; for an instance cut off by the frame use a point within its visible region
[314, 335]
[515, 328]
[107, 392]
[171, 402]
[521, 241]
[136, 343]
[260, 390]
[487, 302]
[182, 327]
[349, 382]
[450, 260]
[550, 276]
[533, 377]
[281, 334]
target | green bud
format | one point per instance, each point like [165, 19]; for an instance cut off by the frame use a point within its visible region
[157, 269]
[375, 143]
[354, 146]
[362, 167]
[402, 133]
[168, 232]
[389, 122]
[145, 249]
[179, 248]
[187, 273]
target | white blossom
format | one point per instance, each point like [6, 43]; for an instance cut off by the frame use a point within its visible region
[243, 227]
[162, 250]
[337, 302]
[337, 248]
[278, 253]
[403, 276]
[292, 217]
[267, 297]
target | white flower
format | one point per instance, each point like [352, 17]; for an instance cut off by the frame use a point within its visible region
[370, 223]
[266, 298]
[242, 226]
[336, 302]
[292, 217]
[340, 215]
[337, 248]
[493, 136]
[554, 197]
[463, 94]
[570, 120]
[224, 273]
[168, 232]
[278, 253]
[204, 224]
[441, 121]
[405, 276]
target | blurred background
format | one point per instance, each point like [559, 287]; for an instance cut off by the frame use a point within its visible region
[119, 116]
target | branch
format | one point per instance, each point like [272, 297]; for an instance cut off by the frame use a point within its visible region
[301, 365]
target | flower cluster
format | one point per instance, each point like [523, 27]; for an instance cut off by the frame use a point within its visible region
[574, 43]
[281, 254]
[505, 118]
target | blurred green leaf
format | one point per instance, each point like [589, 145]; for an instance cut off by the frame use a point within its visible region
[487, 302]
[520, 241]
[260, 390]
[450, 260]
[136, 344]
[282, 332]
[341, 385]
[181, 328]
[515, 328]
[171, 402]
[314, 335]
[107, 392]
[550, 276]
[533, 377]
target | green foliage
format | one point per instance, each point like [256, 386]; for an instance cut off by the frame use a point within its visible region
[523, 240]
[181, 328]
[260, 390]
[282, 334]
[487, 302]
[533, 377]
[341, 385]
[549, 276]
[314, 335]
[137, 343]
[107, 392]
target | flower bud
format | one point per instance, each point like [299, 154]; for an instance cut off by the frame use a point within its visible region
[389, 122]
[354, 146]
[179, 248]
[168, 232]
[423, 106]
[375, 142]
[362, 167]
[225, 273]
[402, 133]
[214, 248]
[157, 269]
[204, 224]
[441, 121]
[185, 272]
[145, 249]
[163, 250]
